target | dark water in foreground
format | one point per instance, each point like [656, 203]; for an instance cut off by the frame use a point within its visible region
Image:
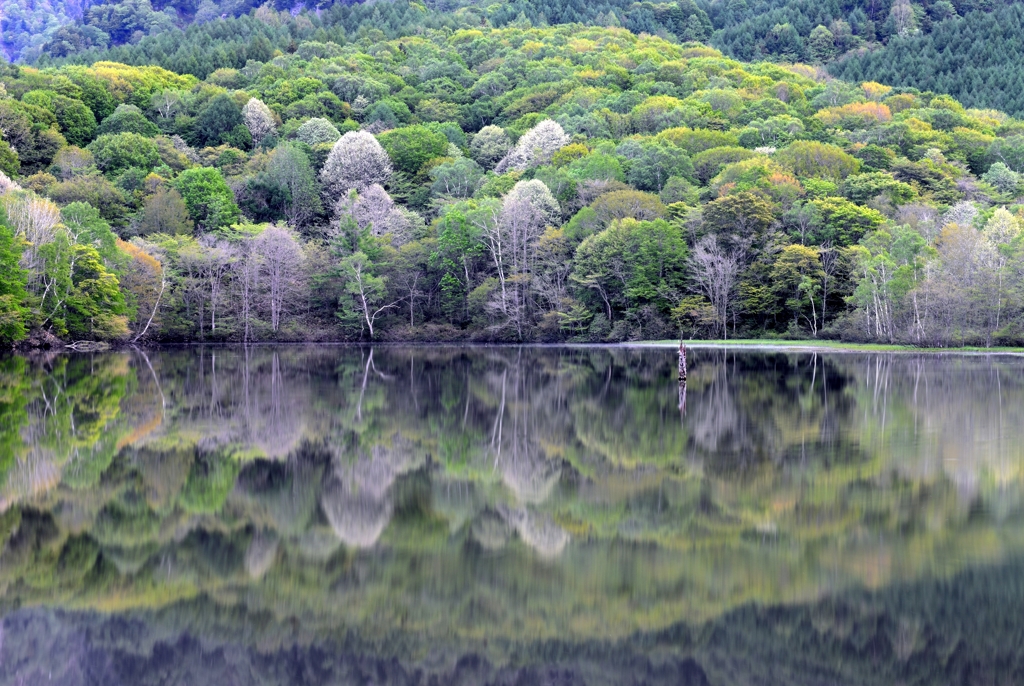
[511, 516]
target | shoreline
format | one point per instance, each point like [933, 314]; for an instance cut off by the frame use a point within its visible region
[749, 344]
[825, 346]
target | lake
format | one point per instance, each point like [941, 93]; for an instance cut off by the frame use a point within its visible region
[504, 515]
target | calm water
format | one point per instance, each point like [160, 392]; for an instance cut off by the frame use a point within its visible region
[511, 516]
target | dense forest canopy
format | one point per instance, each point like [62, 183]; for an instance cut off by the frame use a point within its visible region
[378, 172]
[966, 48]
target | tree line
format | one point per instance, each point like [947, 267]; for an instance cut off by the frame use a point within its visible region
[518, 184]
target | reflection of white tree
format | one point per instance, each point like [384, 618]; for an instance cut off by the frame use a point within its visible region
[536, 530]
[356, 498]
[260, 555]
[516, 441]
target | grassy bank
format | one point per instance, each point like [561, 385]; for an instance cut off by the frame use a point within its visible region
[824, 346]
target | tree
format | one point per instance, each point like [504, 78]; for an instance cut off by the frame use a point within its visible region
[126, 119]
[1002, 178]
[633, 265]
[77, 122]
[119, 151]
[535, 147]
[797, 278]
[143, 281]
[13, 313]
[317, 130]
[627, 204]
[356, 161]
[95, 190]
[280, 270]
[217, 121]
[818, 160]
[456, 179]
[889, 266]
[412, 146]
[1002, 231]
[489, 146]
[651, 164]
[714, 272]
[95, 307]
[71, 162]
[863, 187]
[9, 162]
[512, 241]
[374, 212]
[210, 202]
[289, 169]
[708, 163]
[165, 212]
[821, 44]
[259, 120]
[368, 290]
[842, 222]
[740, 219]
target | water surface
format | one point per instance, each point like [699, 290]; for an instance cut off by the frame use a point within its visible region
[415, 515]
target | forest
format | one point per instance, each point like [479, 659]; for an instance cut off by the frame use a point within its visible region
[281, 176]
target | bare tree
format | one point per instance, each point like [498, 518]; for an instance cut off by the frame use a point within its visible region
[829, 257]
[714, 273]
[246, 268]
[512, 241]
[280, 270]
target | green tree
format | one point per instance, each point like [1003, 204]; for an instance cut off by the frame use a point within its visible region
[165, 212]
[821, 44]
[741, 218]
[411, 147]
[841, 222]
[630, 265]
[13, 313]
[95, 307]
[218, 121]
[818, 160]
[119, 151]
[77, 122]
[127, 119]
[797, 277]
[210, 202]
[367, 291]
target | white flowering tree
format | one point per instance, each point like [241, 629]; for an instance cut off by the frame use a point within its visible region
[535, 147]
[374, 210]
[356, 161]
[317, 130]
[259, 120]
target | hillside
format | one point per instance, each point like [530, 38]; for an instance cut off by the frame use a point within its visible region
[419, 181]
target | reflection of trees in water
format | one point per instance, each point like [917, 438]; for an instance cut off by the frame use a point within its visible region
[255, 399]
[747, 409]
[536, 530]
[953, 415]
[521, 423]
[61, 414]
[356, 496]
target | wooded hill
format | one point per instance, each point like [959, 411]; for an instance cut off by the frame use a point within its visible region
[415, 181]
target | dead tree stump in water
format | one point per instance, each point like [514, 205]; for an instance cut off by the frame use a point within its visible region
[682, 362]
